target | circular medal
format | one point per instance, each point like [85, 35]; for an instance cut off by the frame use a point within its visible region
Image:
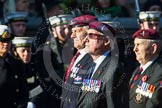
[71, 75]
[91, 89]
[82, 88]
[147, 94]
[74, 75]
[97, 90]
[88, 88]
[137, 90]
[142, 92]
[150, 95]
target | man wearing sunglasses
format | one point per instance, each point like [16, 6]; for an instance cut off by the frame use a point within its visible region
[103, 87]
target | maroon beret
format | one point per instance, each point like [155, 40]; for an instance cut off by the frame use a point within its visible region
[83, 20]
[147, 34]
[102, 27]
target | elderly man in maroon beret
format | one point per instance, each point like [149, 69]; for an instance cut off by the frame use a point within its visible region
[79, 63]
[102, 88]
[146, 81]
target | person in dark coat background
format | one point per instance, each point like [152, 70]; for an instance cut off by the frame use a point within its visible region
[48, 53]
[22, 50]
[13, 86]
[1, 8]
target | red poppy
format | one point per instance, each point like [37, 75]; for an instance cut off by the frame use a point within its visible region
[144, 78]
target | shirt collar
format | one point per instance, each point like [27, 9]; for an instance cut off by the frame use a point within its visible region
[83, 51]
[144, 67]
[100, 59]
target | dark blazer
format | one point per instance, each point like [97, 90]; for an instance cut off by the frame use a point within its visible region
[71, 89]
[47, 65]
[13, 86]
[154, 77]
[36, 96]
[113, 92]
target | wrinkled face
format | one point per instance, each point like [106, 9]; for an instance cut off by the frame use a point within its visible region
[95, 43]
[4, 47]
[24, 53]
[78, 35]
[104, 3]
[22, 5]
[150, 24]
[142, 50]
[19, 28]
[63, 32]
[155, 8]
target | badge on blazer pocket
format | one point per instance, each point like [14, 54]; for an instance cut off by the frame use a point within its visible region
[78, 80]
[139, 98]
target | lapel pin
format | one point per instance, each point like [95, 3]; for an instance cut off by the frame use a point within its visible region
[144, 78]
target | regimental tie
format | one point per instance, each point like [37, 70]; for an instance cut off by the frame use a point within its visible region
[90, 71]
[136, 77]
[71, 65]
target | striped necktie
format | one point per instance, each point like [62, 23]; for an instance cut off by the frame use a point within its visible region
[136, 77]
[71, 65]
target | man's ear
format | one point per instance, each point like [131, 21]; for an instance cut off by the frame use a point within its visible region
[107, 41]
[154, 48]
[15, 54]
[141, 26]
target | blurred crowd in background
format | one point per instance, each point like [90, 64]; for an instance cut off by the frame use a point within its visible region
[117, 8]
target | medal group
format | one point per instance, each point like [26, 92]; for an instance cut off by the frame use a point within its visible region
[144, 89]
[91, 85]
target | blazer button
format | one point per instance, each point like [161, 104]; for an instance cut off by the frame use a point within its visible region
[37, 77]
[17, 90]
[69, 100]
[16, 76]
[15, 103]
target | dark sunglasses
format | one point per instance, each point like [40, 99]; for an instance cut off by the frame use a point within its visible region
[95, 36]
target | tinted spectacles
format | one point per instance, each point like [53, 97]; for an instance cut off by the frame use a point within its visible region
[95, 36]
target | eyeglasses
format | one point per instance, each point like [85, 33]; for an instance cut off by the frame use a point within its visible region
[95, 36]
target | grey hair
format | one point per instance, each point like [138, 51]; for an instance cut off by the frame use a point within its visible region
[158, 42]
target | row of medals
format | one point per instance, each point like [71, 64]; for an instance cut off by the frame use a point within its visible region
[88, 84]
[144, 89]
[74, 72]
[91, 85]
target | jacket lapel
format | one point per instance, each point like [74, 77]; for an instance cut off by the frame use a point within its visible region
[86, 60]
[101, 68]
[147, 72]
[96, 75]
